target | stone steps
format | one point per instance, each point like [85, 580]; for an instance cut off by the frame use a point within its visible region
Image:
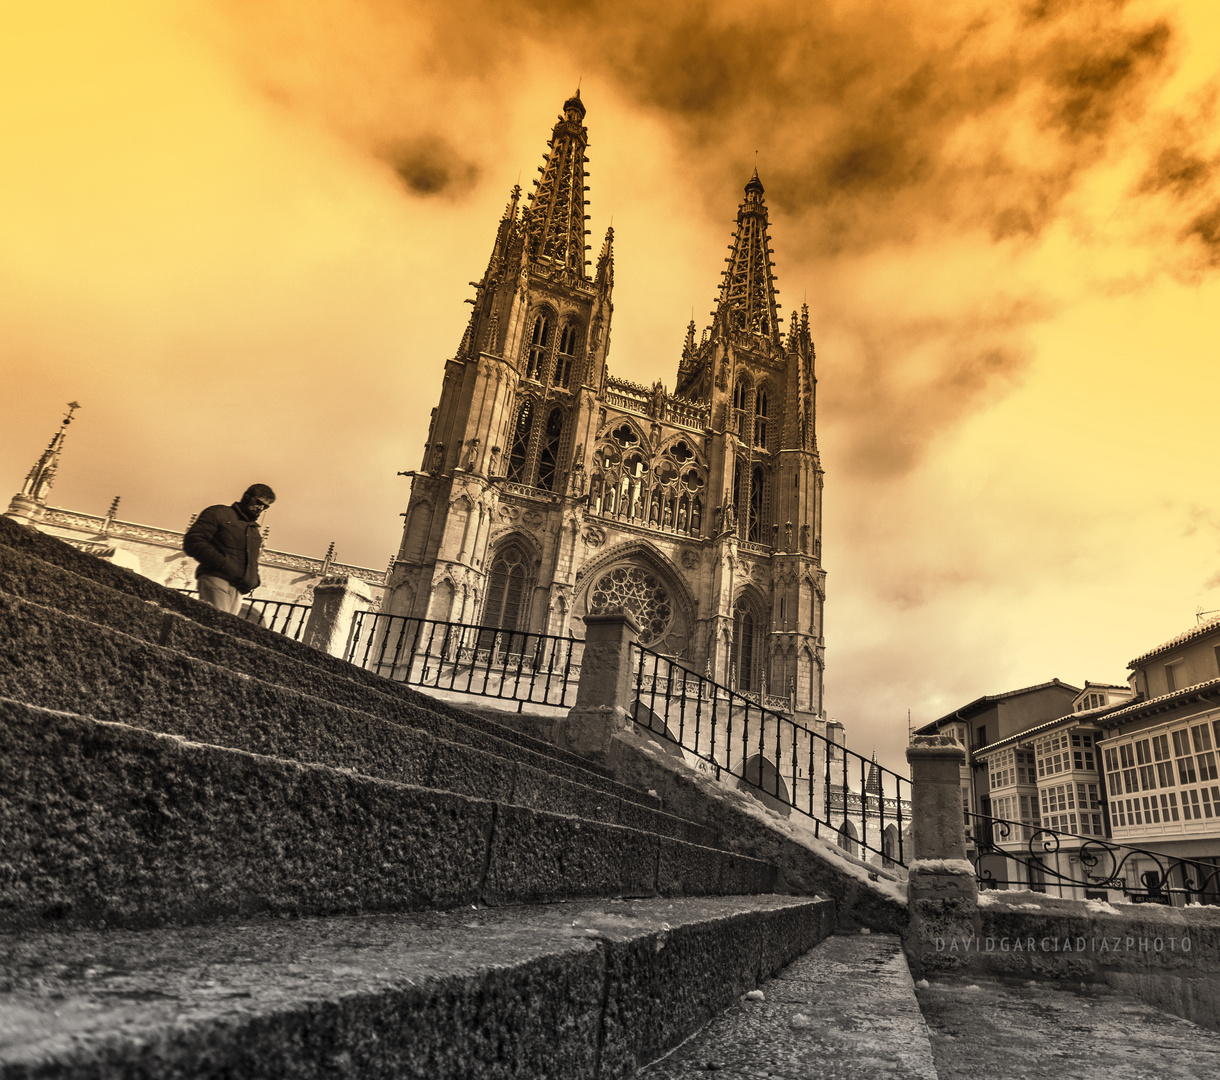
[847, 1011]
[48, 572]
[110, 824]
[227, 854]
[68, 662]
[568, 991]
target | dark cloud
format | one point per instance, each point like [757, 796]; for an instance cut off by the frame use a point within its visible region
[950, 367]
[876, 125]
[429, 165]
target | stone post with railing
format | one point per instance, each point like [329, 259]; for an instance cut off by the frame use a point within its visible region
[941, 890]
[604, 691]
[335, 603]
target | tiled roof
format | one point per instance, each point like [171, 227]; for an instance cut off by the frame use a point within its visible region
[1084, 715]
[1164, 699]
[978, 704]
[1199, 631]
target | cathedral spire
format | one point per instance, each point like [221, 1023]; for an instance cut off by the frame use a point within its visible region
[555, 218]
[605, 262]
[747, 293]
[504, 234]
[40, 478]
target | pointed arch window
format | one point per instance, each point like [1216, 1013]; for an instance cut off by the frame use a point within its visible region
[744, 652]
[506, 589]
[540, 338]
[567, 356]
[519, 454]
[549, 457]
[754, 530]
[760, 417]
[741, 400]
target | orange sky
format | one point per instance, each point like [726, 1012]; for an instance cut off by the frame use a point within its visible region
[240, 236]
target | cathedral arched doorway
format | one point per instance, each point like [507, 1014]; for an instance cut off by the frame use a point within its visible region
[508, 589]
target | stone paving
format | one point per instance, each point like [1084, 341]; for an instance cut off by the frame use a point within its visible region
[1052, 1031]
[846, 1010]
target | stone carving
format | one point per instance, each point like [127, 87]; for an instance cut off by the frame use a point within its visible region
[691, 559]
[509, 513]
[533, 519]
[594, 537]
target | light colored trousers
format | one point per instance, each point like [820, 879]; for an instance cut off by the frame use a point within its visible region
[220, 594]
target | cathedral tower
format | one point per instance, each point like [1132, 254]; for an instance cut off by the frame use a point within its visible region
[550, 489]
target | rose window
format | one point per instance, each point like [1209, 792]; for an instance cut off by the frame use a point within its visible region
[639, 594]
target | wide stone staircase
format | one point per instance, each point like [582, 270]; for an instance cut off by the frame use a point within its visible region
[223, 853]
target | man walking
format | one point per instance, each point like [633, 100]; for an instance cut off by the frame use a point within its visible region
[225, 541]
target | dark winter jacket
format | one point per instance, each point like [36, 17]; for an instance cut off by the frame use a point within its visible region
[225, 543]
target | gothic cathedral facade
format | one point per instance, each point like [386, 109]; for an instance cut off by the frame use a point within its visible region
[550, 490]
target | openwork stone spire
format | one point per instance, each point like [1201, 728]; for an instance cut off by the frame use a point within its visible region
[605, 262]
[747, 294]
[555, 218]
[40, 478]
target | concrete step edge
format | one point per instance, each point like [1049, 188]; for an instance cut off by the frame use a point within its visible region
[568, 991]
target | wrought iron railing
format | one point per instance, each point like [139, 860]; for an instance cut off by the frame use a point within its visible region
[543, 669]
[281, 616]
[1094, 863]
[853, 800]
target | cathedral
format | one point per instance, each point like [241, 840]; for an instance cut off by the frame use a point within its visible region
[550, 489]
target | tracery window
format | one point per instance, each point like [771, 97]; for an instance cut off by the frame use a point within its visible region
[750, 501]
[754, 530]
[567, 356]
[637, 592]
[549, 456]
[666, 496]
[743, 652]
[760, 417]
[741, 401]
[519, 454]
[539, 340]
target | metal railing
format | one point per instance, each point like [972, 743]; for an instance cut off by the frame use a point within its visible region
[280, 616]
[542, 669]
[1094, 863]
[860, 804]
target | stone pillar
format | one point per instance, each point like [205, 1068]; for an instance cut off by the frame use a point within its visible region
[335, 603]
[941, 890]
[604, 693]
